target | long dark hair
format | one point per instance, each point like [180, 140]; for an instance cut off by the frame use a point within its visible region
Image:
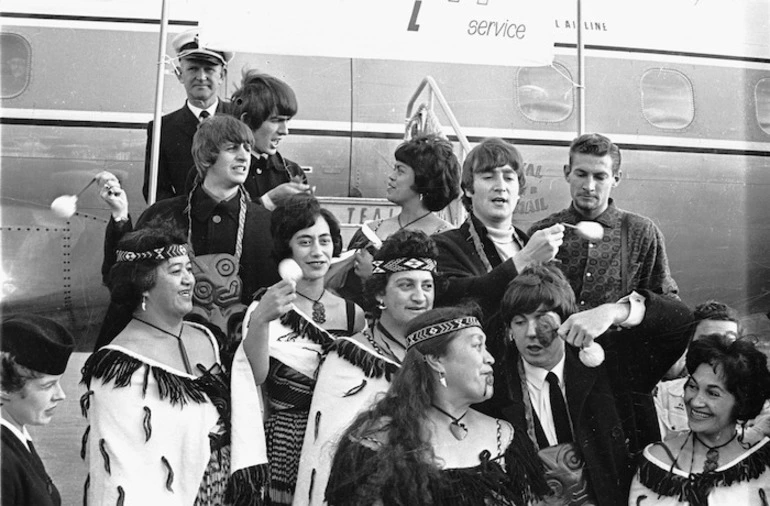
[405, 466]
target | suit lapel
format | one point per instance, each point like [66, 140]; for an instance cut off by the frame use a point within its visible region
[579, 381]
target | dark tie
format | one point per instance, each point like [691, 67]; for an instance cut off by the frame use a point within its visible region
[559, 410]
[203, 115]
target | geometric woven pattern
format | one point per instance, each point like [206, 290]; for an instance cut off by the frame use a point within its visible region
[175, 250]
[403, 264]
[440, 329]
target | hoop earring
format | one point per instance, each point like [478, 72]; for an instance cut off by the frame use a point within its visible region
[442, 379]
[144, 303]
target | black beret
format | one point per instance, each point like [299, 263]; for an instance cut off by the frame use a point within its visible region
[38, 343]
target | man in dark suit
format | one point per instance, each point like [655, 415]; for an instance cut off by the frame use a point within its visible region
[587, 419]
[482, 256]
[202, 71]
[224, 228]
[267, 104]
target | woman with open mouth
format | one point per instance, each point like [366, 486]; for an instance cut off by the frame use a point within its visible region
[425, 179]
[712, 464]
[422, 443]
[157, 398]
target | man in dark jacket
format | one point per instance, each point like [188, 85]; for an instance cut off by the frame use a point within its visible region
[202, 71]
[229, 234]
[482, 256]
[266, 104]
[587, 419]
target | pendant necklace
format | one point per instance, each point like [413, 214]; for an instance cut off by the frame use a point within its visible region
[458, 429]
[389, 337]
[401, 227]
[319, 310]
[182, 349]
[712, 455]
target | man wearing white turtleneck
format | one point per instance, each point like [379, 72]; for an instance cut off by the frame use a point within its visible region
[482, 256]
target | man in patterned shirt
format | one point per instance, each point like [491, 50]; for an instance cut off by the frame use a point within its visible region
[632, 253]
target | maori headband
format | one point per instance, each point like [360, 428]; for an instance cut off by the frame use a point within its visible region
[440, 329]
[403, 264]
[175, 250]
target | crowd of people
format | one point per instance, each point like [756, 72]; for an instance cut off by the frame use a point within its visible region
[477, 365]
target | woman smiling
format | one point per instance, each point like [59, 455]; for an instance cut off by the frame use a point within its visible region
[359, 368]
[711, 464]
[287, 331]
[157, 400]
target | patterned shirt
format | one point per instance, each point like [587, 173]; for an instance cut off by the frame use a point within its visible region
[594, 268]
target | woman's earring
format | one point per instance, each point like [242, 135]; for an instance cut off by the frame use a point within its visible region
[381, 305]
[442, 378]
[421, 197]
[144, 303]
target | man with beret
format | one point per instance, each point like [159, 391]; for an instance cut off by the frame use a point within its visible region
[35, 351]
[202, 71]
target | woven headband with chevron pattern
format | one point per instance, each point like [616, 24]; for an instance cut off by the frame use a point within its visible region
[403, 264]
[440, 329]
[175, 250]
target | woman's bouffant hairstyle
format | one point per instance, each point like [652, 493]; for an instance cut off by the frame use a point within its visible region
[212, 134]
[436, 169]
[13, 376]
[129, 280]
[406, 465]
[741, 366]
[538, 285]
[296, 213]
[401, 244]
[488, 155]
[261, 96]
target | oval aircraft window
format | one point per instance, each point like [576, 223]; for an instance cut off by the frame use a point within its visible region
[15, 59]
[545, 93]
[668, 101]
[762, 99]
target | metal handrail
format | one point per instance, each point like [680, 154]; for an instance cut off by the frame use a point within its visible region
[435, 92]
[455, 210]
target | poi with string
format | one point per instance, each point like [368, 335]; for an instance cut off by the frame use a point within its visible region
[66, 205]
[591, 355]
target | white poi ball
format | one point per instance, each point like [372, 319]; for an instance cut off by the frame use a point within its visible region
[590, 230]
[65, 206]
[289, 270]
[592, 355]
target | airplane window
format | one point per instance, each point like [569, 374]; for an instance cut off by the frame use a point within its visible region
[762, 99]
[668, 101]
[545, 93]
[15, 62]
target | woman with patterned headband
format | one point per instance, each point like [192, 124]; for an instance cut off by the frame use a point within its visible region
[359, 368]
[422, 443]
[157, 399]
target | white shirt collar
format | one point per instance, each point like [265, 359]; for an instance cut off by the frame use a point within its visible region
[197, 110]
[23, 435]
[536, 375]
